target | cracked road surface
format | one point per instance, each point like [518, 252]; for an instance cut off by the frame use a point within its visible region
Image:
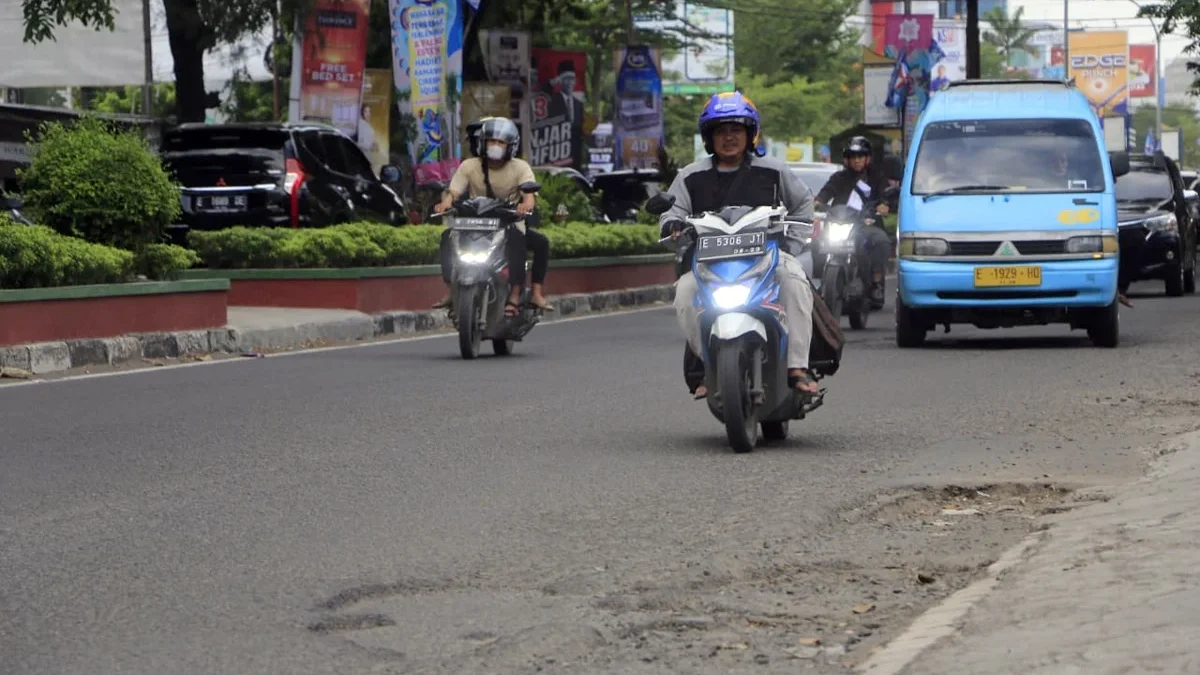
[393, 509]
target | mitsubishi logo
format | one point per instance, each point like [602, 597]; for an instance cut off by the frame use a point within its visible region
[220, 182]
[1006, 249]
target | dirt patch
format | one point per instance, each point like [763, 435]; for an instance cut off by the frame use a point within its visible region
[821, 605]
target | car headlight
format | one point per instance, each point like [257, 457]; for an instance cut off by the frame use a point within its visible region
[728, 297]
[473, 257]
[923, 247]
[838, 232]
[1167, 223]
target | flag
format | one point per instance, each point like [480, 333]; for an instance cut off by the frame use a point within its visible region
[898, 85]
[935, 53]
[1151, 145]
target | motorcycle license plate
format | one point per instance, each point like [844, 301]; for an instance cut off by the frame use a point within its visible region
[725, 246]
[475, 224]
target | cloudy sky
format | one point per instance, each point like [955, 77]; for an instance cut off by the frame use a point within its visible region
[1101, 15]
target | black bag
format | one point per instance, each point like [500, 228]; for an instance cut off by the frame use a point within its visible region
[825, 352]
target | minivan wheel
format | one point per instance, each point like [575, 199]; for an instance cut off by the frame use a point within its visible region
[1104, 329]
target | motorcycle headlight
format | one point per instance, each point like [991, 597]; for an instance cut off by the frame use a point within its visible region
[837, 232]
[473, 257]
[729, 297]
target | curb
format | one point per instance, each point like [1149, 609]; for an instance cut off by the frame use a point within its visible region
[51, 357]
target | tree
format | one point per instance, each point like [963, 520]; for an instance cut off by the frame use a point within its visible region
[1184, 16]
[1179, 116]
[1008, 34]
[193, 27]
[784, 39]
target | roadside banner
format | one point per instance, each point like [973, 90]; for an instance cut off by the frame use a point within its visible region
[333, 61]
[427, 41]
[374, 122]
[1100, 67]
[638, 123]
[556, 108]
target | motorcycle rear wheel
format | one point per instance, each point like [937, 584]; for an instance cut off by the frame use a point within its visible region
[733, 374]
[831, 289]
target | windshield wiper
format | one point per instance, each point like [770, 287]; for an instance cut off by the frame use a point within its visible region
[965, 188]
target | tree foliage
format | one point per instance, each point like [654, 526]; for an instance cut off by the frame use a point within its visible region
[1008, 33]
[1179, 16]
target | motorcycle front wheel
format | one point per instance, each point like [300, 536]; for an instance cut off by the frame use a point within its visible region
[469, 311]
[737, 411]
[831, 289]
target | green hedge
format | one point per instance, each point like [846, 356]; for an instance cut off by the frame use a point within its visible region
[35, 256]
[376, 245]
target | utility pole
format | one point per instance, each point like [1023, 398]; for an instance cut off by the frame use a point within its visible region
[1067, 41]
[275, 62]
[148, 53]
[973, 40]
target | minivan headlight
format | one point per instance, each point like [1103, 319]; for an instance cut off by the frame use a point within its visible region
[1085, 245]
[923, 247]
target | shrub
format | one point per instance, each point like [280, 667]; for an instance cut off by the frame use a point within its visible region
[562, 190]
[371, 245]
[164, 262]
[95, 181]
[34, 256]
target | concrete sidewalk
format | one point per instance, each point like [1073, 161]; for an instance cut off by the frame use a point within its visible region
[265, 329]
[1112, 587]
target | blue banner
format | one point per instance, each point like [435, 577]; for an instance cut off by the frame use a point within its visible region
[638, 118]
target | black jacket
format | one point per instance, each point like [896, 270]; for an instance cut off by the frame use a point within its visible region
[841, 184]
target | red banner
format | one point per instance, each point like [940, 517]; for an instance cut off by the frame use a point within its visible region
[1142, 74]
[335, 55]
[556, 106]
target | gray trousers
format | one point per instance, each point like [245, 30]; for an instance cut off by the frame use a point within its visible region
[795, 294]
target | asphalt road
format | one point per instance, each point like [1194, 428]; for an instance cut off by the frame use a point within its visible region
[391, 508]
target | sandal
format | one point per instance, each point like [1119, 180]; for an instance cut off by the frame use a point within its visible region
[700, 393]
[803, 383]
[547, 307]
[1124, 300]
[511, 309]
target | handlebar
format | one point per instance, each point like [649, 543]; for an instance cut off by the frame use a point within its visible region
[508, 215]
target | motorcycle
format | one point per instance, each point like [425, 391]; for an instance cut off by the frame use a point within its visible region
[480, 228]
[844, 276]
[734, 256]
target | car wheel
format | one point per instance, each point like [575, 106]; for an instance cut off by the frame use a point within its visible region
[1174, 279]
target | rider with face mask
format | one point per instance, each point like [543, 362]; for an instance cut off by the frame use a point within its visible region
[499, 175]
[852, 186]
[735, 176]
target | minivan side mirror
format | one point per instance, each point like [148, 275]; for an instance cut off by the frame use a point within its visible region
[1120, 163]
[389, 174]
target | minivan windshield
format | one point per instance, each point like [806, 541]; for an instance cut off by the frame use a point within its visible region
[989, 156]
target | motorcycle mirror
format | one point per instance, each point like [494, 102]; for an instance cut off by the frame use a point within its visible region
[659, 204]
[530, 187]
[891, 191]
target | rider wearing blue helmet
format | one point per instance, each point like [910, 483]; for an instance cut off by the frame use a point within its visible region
[734, 175]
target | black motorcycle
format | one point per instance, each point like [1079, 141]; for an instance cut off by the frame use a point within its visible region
[480, 228]
[845, 277]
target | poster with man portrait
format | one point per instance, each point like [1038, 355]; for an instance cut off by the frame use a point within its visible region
[556, 108]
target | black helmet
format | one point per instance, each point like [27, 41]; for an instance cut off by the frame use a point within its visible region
[858, 145]
[494, 129]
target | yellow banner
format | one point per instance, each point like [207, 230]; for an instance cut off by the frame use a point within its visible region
[1100, 67]
[374, 117]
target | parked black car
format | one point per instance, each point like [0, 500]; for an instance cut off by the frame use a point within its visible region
[275, 175]
[1157, 217]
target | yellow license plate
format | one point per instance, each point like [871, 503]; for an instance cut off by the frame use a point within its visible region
[1008, 276]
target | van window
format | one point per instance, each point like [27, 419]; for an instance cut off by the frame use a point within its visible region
[1038, 155]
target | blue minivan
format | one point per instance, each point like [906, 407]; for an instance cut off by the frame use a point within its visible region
[1008, 214]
